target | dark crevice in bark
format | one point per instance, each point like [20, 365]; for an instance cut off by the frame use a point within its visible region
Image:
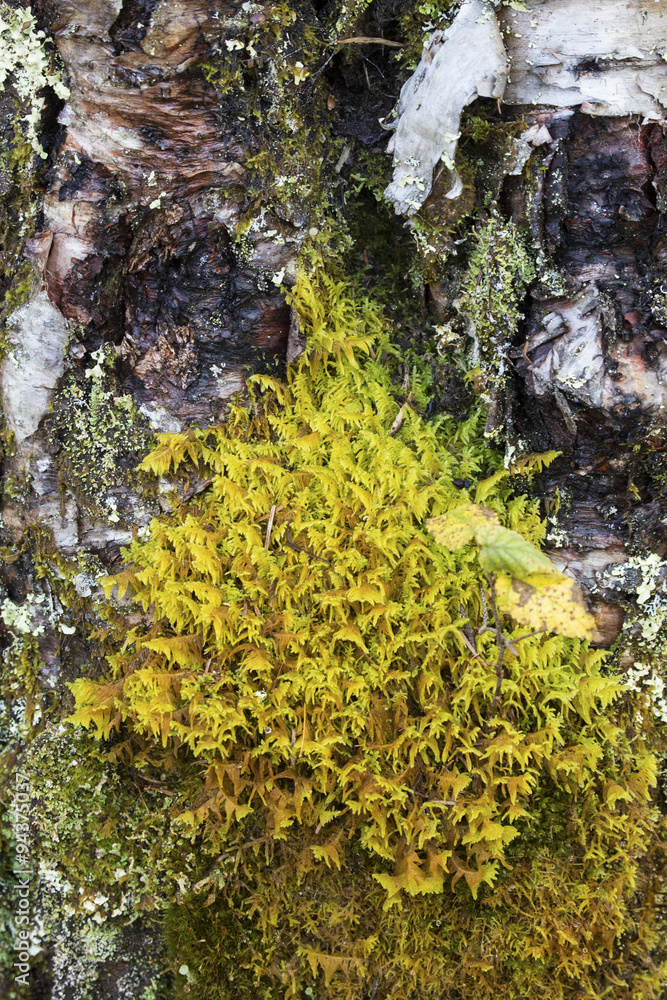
[129, 29]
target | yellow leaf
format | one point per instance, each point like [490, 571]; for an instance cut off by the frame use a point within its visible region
[459, 526]
[546, 602]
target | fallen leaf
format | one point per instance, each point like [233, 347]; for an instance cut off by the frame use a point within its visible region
[457, 527]
[547, 602]
[505, 551]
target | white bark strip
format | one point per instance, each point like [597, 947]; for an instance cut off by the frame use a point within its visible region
[458, 65]
[39, 335]
[608, 56]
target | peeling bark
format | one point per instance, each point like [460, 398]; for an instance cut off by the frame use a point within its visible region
[607, 57]
[143, 202]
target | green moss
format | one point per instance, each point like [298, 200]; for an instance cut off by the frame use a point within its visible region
[417, 24]
[367, 814]
[24, 66]
[279, 98]
[107, 824]
[18, 210]
[439, 221]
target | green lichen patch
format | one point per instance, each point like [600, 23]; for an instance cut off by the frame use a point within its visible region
[18, 209]
[417, 24]
[24, 60]
[98, 436]
[24, 73]
[106, 825]
[500, 268]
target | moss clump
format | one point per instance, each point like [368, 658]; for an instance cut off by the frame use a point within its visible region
[98, 436]
[280, 99]
[499, 271]
[20, 710]
[435, 226]
[374, 819]
[18, 210]
[417, 23]
[109, 824]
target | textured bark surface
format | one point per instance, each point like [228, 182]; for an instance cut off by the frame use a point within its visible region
[161, 253]
[592, 368]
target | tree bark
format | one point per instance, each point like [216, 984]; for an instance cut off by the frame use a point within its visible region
[203, 145]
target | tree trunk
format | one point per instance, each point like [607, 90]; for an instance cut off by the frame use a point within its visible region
[202, 147]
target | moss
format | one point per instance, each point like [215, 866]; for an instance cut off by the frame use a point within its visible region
[107, 825]
[439, 221]
[280, 99]
[18, 210]
[21, 703]
[106, 858]
[368, 816]
[417, 23]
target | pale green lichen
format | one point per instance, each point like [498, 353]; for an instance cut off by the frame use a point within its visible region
[642, 576]
[644, 636]
[24, 60]
[108, 855]
[99, 436]
[499, 271]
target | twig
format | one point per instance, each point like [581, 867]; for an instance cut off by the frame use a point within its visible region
[500, 638]
[303, 738]
[264, 516]
[400, 417]
[367, 60]
[366, 40]
[467, 642]
[529, 635]
[499, 675]
[485, 613]
[269, 526]
[466, 627]
[297, 548]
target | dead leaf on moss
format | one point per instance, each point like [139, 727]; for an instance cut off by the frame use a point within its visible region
[547, 602]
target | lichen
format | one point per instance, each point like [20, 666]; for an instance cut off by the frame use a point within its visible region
[25, 61]
[500, 268]
[24, 73]
[98, 436]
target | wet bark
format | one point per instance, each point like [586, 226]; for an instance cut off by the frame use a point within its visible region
[159, 237]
